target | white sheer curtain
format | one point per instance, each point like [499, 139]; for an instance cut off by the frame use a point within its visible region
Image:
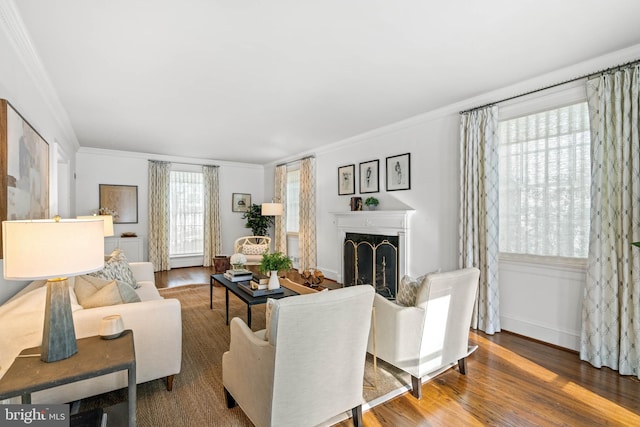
[307, 233]
[478, 240]
[212, 237]
[544, 183]
[611, 305]
[280, 196]
[159, 214]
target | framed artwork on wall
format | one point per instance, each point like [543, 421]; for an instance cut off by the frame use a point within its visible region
[369, 182]
[346, 180]
[24, 160]
[240, 202]
[121, 201]
[399, 172]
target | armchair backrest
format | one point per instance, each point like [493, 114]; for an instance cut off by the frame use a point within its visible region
[252, 242]
[448, 300]
[320, 347]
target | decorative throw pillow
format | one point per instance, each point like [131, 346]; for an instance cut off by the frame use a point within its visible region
[408, 290]
[254, 249]
[116, 267]
[95, 292]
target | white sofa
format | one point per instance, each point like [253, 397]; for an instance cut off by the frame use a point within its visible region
[156, 323]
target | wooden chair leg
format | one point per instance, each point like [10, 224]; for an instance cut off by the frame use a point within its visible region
[416, 387]
[231, 402]
[357, 416]
[462, 366]
[170, 382]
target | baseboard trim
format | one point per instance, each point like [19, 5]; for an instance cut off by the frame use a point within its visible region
[569, 340]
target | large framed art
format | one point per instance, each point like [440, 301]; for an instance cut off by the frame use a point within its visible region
[24, 160]
[121, 201]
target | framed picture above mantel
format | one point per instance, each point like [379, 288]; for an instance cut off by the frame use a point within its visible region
[346, 180]
[399, 172]
[24, 161]
[121, 201]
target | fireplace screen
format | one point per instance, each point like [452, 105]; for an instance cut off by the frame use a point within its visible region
[371, 259]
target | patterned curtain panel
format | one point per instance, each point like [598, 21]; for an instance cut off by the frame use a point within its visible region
[307, 233]
[611, 306]
[479, 238]
[280, 193]
[159, 183]
[212, 237]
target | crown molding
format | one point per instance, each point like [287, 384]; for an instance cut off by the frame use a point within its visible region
[165, 158]
[17, 34]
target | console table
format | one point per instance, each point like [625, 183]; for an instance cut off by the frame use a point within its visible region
[95, 357]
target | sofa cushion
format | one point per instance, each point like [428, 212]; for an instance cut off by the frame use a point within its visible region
[254, 249]
[116, 267]
[95, 292]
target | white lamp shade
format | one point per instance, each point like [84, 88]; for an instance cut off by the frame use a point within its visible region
[43, 249]
[108, 222]
[272, 209]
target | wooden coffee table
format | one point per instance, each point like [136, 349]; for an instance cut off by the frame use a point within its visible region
[244, 296]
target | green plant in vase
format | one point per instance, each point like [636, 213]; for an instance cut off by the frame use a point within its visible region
[371, 203]
[272, 263]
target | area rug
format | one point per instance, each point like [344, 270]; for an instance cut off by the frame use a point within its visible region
[197, 398]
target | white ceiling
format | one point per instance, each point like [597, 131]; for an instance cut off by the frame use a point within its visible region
[260, 80]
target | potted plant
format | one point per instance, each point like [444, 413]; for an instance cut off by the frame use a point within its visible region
[272, 263]
[258, 224]
[371, 203]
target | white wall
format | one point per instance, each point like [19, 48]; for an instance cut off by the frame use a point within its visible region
[96, 167]
[541, 301]
[24, 85]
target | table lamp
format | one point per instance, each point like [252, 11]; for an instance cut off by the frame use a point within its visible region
[52, 250]
[108, 222]
[272, 209]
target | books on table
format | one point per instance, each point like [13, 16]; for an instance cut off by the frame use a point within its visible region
[241, 275]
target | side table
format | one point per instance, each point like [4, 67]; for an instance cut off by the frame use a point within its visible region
[95, 357]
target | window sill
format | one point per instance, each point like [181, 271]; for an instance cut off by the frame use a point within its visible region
[560, 263]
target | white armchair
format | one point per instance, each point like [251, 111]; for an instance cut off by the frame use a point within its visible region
[309, 368]
[432, 335]
[252, 247]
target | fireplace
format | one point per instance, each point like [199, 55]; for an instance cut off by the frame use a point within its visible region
[371, 259]
[381, 238]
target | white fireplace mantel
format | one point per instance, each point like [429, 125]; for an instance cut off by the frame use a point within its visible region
[379, 222]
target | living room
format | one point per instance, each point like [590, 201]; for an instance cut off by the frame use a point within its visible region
[540, 301]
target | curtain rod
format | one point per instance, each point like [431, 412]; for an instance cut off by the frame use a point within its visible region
[297, 160]
[586, 76]
[184, 163]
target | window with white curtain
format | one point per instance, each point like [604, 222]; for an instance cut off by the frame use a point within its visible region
[544, 183]
[293, 200]
[187, 213]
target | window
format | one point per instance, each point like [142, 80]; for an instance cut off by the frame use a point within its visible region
[187, 213]
[544, 183]
[293, 200]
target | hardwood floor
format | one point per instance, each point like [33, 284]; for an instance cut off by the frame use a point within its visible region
[510, 381]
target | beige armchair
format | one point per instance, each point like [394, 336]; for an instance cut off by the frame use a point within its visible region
[309, 368]
[252, 247]
[432, 335]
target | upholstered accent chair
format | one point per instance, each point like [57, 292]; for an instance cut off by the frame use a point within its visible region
[252, 247]
[307, 366]
[430, 334]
